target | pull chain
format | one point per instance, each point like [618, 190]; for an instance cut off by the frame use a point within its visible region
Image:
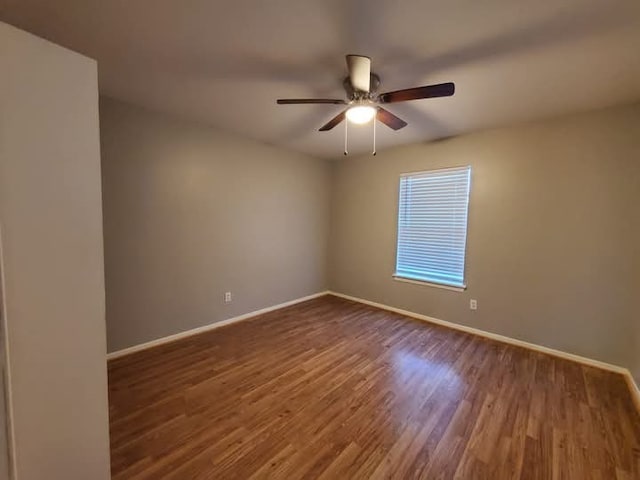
[374, 133]
[346, 128]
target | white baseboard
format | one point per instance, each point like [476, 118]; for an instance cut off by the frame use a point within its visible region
[492, 336]
[633, 387]
[206, 328]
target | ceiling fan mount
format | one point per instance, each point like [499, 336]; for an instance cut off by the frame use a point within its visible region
[361, 87]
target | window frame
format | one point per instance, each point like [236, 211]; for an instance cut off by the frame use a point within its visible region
[421, 281]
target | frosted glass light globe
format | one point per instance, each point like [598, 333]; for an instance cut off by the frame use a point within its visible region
[361, 114]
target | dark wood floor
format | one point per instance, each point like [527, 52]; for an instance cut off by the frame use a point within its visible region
[337, 390]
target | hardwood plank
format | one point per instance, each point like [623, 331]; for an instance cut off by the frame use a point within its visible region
[335, 389]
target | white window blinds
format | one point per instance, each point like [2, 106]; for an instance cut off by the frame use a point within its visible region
[432, 226]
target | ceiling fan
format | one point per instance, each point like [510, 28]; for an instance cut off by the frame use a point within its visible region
[363, 102]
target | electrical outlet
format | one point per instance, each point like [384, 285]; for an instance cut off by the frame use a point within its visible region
[227, 297]
[473, 304]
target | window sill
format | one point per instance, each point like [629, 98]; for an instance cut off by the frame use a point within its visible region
[429, 284]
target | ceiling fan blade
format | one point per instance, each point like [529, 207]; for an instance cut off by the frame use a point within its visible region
[390, 120]
[300, 101]
[429, 91]
[359, 72]
[333, 122]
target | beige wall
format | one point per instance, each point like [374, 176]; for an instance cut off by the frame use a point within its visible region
[553, 233]
[191, 212]
[51, 232]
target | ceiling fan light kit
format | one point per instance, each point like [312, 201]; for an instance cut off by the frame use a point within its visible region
[361, 114]
[363, 104]
[346, 132]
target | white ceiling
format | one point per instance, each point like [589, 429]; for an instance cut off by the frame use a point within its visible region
[225, 62]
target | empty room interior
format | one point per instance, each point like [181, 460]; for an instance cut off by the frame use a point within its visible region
[333, 239]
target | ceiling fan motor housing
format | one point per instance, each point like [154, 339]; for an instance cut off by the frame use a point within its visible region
[353, 94]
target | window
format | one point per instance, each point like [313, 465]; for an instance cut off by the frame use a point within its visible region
[432, 226]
